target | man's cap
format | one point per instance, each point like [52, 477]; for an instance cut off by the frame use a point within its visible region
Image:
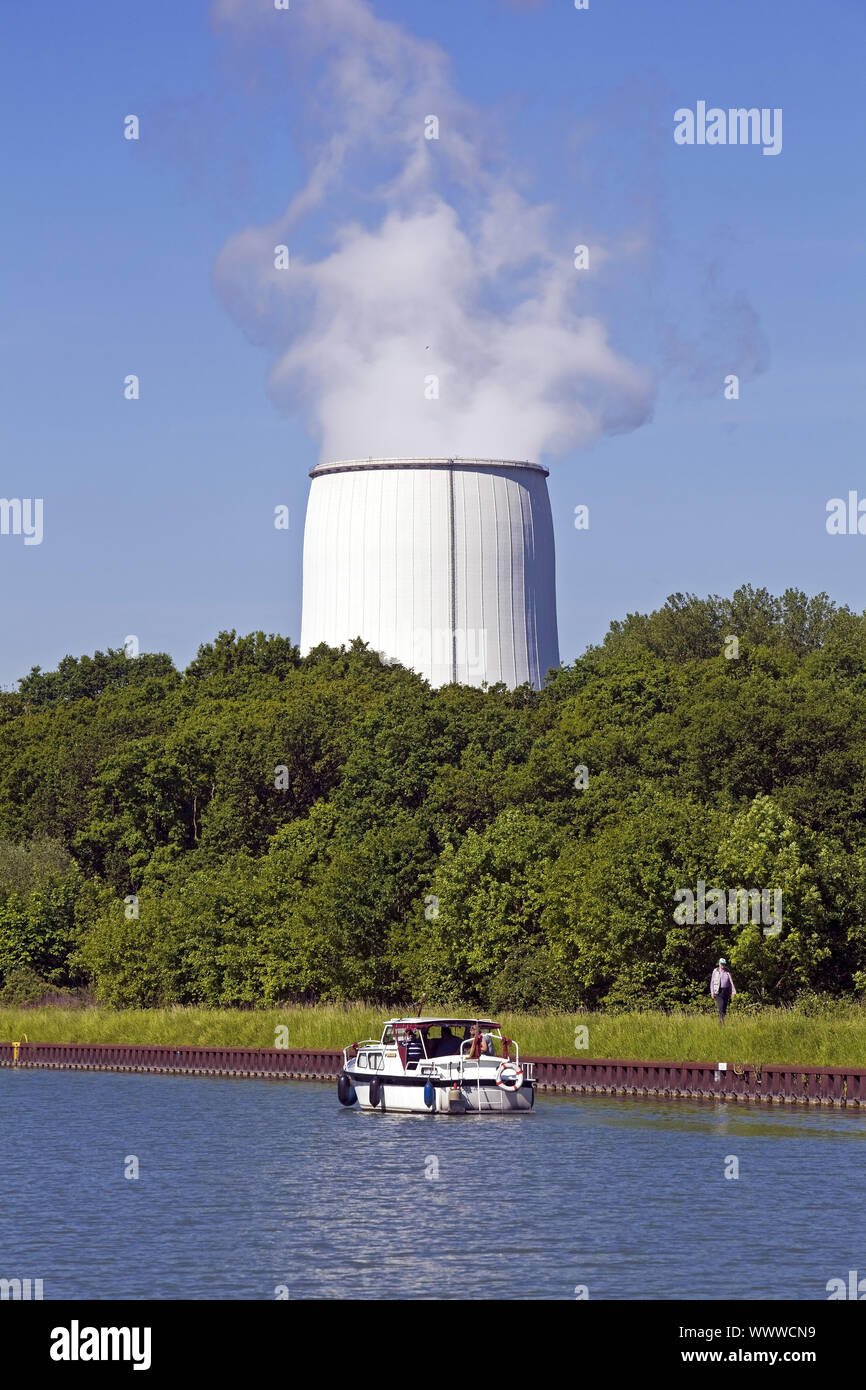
[722, 960]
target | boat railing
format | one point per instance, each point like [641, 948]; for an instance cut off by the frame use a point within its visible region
[466, 1059]
[467, 1065]
[353, 1049]
[454, 1066]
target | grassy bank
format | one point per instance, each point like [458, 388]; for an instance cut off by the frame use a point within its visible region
[835, 1037]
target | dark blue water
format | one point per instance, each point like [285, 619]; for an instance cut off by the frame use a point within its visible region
[246, 1186]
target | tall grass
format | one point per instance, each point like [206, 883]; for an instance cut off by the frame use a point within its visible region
[834, 1037]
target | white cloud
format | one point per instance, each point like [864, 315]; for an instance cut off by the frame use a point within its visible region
[428, 262]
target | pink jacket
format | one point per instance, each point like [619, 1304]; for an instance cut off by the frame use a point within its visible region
[720, 978]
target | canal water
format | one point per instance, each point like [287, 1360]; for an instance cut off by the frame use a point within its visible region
[256, 1190]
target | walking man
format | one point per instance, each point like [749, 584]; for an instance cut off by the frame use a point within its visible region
[722, 988]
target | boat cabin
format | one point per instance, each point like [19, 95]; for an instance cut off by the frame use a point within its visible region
[420, 1040]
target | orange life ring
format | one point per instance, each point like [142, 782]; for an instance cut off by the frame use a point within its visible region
[509, 1076]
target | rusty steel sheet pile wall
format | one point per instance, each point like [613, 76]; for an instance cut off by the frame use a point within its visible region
[289, 1063]
[705, 1080]
[729, 1081]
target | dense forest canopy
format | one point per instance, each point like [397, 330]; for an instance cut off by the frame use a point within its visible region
[265, 827]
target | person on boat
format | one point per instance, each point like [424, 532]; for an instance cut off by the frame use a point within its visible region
[722, 987]
[448, 1044]
[482, 1043]
[414, 1048]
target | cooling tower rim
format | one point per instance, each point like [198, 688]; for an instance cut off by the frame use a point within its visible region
[358, 465]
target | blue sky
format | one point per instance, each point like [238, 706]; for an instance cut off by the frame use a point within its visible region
[158, 512]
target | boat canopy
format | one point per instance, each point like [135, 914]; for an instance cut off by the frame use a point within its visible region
[440, 1022]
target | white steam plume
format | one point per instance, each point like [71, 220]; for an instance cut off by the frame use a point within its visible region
[426, 262]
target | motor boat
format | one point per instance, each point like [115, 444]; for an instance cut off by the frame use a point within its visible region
[440, 1066]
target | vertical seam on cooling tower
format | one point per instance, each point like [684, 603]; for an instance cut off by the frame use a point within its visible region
[479, 511]
[453, 573]
[495, 492]
[463, 618]
[380, 504]
[364, 479]
[429, 477]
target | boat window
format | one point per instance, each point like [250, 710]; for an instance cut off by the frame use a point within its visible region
[388, 1036]
[362, 1060]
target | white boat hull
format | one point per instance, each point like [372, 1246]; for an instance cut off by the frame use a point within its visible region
[395, 1096]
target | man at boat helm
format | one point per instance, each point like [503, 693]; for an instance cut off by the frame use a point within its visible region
[722, 987]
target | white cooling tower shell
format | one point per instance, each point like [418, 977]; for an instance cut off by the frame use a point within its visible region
[445, 565]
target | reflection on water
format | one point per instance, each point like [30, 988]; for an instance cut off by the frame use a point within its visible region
[248, 1185]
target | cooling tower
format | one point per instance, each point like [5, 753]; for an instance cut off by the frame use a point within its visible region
[445, 565]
